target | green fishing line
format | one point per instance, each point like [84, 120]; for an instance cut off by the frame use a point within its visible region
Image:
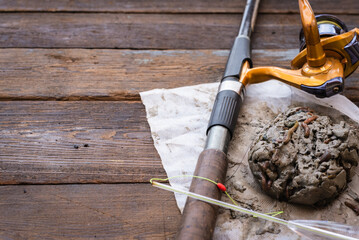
[219, 185]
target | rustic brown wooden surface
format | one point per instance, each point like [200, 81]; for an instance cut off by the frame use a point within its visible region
[76, 74]
[91, 211]
[96, 130]
[147, 31]
[76, 142]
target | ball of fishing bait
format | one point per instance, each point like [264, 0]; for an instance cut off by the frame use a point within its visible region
[304, 158]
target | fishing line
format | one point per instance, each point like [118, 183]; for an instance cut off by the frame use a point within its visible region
[312, 229]
[219, 185]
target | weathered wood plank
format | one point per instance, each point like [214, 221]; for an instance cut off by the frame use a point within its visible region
[76, 142]
[146, 31]
[100, 211]
[184, 6]
[84, 74]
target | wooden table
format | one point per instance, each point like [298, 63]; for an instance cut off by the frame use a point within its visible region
[76, 152]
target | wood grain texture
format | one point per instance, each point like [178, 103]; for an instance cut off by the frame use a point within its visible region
[100, 211]
[92, 141]
[147, 31]
[173, 6]
[102, 74]
[76, 142]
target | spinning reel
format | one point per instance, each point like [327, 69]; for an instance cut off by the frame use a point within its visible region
[329, 54]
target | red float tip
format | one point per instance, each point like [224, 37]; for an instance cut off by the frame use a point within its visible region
[221, 187]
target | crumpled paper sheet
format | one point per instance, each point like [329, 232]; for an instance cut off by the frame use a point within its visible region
[178, 120]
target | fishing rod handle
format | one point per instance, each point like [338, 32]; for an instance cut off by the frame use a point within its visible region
[199, 218]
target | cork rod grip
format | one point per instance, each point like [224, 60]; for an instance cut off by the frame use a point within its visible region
[199, 218]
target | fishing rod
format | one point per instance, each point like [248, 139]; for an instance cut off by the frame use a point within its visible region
[329, 53]
[199, 218]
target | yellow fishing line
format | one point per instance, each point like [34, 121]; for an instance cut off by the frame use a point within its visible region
[210, 180]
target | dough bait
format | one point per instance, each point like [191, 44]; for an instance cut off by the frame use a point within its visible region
[304, 158]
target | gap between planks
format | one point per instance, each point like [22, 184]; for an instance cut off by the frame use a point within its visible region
[173, 7]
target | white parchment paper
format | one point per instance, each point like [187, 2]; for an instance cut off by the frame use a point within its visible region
[178, 120]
